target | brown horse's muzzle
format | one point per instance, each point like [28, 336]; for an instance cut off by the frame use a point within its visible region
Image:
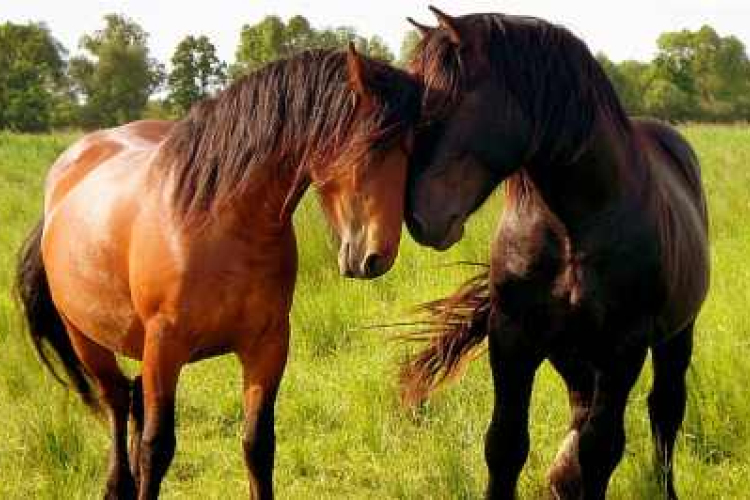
[358, 261]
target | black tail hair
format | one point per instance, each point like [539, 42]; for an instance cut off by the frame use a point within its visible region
[45, 326]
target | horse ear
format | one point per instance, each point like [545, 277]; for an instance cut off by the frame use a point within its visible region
[423, 29]
[356, 68]
[448, 23]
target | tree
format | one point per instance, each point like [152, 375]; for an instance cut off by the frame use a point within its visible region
[116, 83]
[408, 45]
[271, 39]
[630, 80]
[32, 76]
[375, 47]
[713, 71]
[260, 44]
[196, 72]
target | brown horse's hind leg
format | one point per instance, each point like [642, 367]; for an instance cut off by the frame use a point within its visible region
[666, 402]
[564, 475]
[262, 369]
[114, 388]
[163, 357]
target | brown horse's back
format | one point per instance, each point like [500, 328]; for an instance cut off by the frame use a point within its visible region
[681, 217]
[93, 149]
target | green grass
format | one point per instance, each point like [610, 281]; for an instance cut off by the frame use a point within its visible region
[341, 433]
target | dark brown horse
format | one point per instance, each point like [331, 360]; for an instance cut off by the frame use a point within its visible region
[172, 242]
[601, 252]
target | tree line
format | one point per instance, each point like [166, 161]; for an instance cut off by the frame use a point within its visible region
[695, 76]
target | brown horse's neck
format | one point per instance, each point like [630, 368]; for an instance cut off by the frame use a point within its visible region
[272, 198]
[605, 174]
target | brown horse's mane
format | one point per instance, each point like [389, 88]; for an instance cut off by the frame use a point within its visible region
[548, 71]
[297, 113]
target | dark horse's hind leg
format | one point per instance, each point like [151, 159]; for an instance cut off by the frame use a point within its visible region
[602, 440]
[666, 403]
[564, 475]
[114, 388]
[514, 363]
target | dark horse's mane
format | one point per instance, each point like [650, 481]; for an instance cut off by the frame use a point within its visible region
[549, 72]
[296, 113]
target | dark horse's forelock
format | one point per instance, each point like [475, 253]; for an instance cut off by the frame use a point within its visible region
[549, 72]
[298, 113]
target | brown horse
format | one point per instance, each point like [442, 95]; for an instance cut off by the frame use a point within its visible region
[172, 242]
[601, 253]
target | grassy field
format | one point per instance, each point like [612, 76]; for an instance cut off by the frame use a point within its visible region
[341, 433]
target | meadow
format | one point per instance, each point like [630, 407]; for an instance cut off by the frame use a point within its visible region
[341, 433]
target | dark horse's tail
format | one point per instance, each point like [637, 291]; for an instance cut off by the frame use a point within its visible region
[44, 322]
[456, 329]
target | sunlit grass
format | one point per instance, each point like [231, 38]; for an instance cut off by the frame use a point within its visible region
[341, 432]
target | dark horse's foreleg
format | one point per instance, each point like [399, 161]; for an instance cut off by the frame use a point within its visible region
[114, 389]
[602, 439]
[564, 475]
[262, 367]
[162, 360]
[666, 402]
[514, 363]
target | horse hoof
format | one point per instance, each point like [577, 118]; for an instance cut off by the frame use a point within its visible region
[564, 475]
[121, 490]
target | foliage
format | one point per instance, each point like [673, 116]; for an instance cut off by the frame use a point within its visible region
[32, 79]
[408, 44]
[271, 39]
[696, 75]
[196, 72]
[117, 79]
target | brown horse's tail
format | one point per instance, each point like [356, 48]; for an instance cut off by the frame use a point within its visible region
[44, 322]
[456, 329]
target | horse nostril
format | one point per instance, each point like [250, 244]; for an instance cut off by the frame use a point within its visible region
[372, 266]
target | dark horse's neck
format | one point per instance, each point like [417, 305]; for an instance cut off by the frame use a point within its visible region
[602, 176]
[576, 142]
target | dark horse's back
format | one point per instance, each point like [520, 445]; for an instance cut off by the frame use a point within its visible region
[679, 204]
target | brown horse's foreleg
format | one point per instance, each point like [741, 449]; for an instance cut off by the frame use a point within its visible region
[564, 475]
[262, 365]
[136, 427]
[114, 388]
[163, 357]
[666, 402]
[513, 364]
[602, 439]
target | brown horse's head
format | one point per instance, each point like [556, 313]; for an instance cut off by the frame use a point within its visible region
[500, 93]
[362, 190]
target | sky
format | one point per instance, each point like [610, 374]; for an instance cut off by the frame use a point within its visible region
[623, 30]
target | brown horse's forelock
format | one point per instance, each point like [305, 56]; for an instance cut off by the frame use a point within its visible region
[551, 74]
[298, 113]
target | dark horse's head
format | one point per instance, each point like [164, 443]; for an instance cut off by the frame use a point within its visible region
[500, 93]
